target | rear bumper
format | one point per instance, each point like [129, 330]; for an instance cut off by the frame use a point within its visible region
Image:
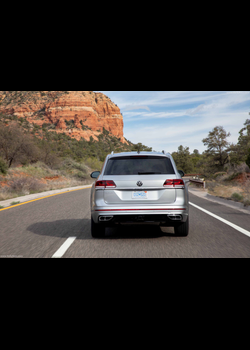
[164, 216]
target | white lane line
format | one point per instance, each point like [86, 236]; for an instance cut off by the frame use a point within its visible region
[238, 228]
[62, 250]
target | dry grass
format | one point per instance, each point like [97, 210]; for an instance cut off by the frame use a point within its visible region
[239, 192]
[233, 184]
[39, 177]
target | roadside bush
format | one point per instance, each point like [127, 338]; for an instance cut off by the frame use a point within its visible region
[26, 185]
[219, 176]
[248, 159]
[3, 167]
[94, 163]
[237, 197]
[210, 185]
[4, 193]
[38, 170]
[70, 164]
[234, 171]
[81, 176]
[242, 168]
[246, 202]
[16, 146]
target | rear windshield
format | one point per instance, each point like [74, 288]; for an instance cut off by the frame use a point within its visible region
[140, 165]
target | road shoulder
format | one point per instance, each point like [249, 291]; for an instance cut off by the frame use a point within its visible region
[229, 203]
[35, 196]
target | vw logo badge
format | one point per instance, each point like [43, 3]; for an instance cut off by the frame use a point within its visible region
[139, 183]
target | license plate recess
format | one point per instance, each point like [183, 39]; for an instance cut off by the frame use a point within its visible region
[140, 195]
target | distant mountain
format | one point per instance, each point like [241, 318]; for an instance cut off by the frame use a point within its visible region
[78, 114]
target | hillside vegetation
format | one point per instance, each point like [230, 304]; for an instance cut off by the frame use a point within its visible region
[224, 165]
[40, 150]
[33, 159]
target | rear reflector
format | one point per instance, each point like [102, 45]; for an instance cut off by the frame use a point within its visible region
[176, 209]
[105, 184]
[178, 183]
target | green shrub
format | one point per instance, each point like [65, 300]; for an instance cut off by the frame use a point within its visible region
[237, 197]
[3, 167]
[38, 170]
[70, 164]
[81, 176]
[94, 163]
[24, 185]
[210, 185]
[248, 158]
[219, 174]
[246, 202]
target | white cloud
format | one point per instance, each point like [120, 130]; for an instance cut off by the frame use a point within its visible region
[152, 115]
[171, 118]
[194, 111]
[189, 133]
[131, 107]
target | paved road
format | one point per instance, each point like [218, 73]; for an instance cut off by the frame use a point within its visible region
[42, 228]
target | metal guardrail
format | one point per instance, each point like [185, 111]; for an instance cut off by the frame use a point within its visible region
[198, 181]
[201, 182]
[194, 178]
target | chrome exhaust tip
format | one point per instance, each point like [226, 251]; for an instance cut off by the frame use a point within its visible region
[175, 217]
[105, 218]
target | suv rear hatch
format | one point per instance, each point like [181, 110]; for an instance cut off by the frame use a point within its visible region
[139, 180]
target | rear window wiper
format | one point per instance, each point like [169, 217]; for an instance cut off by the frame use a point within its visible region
[148, 173]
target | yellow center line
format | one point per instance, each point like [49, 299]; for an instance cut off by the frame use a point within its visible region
[38, 199]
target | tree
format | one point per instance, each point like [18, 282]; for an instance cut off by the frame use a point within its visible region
[3, 167]
[244, 141]
[140, 147]
[248, 158]
[15, 145]
[197, 159]
[183, 160]
[218, 146]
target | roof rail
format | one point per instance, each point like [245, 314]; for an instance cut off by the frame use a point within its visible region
[163, 152]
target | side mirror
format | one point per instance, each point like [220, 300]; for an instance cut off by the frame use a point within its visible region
[95, 174]
[181, 173]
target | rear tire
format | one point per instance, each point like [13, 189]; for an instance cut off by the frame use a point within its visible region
[182, 230]
[97, 230]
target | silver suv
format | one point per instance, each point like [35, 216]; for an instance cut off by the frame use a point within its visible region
[139, 187]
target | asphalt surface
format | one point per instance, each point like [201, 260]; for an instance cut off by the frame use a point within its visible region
[42, 228]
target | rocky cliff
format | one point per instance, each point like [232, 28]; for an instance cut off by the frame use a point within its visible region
[75, 113]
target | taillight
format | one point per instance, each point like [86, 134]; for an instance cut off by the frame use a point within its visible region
[105, 184]
[178, 183]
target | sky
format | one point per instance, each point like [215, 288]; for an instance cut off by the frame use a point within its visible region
[164, 120]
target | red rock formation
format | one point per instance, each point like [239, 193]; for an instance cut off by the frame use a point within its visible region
[76, 113]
